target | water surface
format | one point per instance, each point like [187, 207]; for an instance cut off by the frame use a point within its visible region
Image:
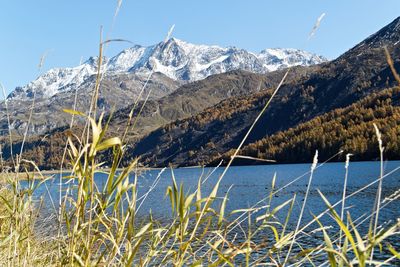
[250, 185]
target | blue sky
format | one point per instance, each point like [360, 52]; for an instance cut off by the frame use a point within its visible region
[70, 29]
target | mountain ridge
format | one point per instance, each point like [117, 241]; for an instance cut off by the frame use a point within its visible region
[177, 59]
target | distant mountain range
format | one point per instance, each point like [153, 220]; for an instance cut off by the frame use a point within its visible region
[174, 63]
[199, 122]
[176, 59]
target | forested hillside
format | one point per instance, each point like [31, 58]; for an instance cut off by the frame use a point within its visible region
[349, 129]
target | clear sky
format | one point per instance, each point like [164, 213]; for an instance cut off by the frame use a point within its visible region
[69, 30]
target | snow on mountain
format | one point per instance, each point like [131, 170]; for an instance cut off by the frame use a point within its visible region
[188, 62]
[55, 81]
[282, 58]
[176, 59]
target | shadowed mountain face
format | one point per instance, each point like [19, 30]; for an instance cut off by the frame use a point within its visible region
[193, 98]
[337, 84]
[211, 116]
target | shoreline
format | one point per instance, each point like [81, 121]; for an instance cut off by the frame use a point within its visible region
[48, 173]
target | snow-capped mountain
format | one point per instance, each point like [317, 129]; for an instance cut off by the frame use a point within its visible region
[178, 60]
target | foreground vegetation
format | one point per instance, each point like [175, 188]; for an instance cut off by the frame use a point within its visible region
[101, 227]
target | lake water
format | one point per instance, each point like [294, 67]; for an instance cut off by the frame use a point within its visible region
[250, 185]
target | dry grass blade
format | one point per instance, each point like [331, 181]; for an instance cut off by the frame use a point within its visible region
[391, 65]
[344, 191]
[379, 190]
[119, 3]
[41, 62]
[253, 124]
[316, 25]
[313, 167]
[8, 124]
[253, 158]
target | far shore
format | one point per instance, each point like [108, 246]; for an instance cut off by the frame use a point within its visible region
[45, 174]
[48, 173]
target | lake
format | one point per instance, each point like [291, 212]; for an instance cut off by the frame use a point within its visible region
[251, 185]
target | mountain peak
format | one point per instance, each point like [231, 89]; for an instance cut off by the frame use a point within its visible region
[176, 40]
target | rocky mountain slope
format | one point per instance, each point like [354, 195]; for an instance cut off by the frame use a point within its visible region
[192, 98]
[116, 91]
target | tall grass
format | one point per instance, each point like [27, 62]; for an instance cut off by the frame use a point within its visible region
[101, 226]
